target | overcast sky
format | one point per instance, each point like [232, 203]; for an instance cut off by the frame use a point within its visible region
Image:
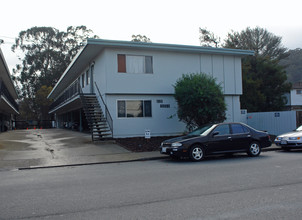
[163, 21]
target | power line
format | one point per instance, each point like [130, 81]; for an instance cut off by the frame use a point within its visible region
[7, 37]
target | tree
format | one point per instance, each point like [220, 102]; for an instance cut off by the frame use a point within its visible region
[200, 100]
[207, 38]
[264, 85]
[47, 53]
[264, 79]
[293, 65]
[261, 41]
[43, 102]
[140, 38]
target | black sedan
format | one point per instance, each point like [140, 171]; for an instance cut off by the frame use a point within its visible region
[223, 138]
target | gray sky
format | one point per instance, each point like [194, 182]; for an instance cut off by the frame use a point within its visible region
[163, 21]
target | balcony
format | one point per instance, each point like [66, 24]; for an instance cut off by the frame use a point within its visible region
[8, 103]
[68, 100]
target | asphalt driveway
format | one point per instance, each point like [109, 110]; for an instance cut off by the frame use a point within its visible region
[40, 148]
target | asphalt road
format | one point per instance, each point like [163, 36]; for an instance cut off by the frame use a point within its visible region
[267, 187]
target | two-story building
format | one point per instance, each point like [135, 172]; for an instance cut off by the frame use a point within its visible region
[8, 95]
[294, 97]
[123, 88]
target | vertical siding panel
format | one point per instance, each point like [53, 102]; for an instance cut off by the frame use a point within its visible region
[218, 70]
[206, 64]
[229, 74]
[238, 76]
[229, 112]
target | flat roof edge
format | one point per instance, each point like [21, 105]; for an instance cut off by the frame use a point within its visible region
[174, 47]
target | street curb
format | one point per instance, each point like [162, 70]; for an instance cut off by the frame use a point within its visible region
[95, 163]
[111, 162]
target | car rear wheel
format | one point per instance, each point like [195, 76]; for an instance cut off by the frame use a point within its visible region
[254, 149]
[196, 153]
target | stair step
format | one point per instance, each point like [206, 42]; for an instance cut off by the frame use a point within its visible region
[95, 117]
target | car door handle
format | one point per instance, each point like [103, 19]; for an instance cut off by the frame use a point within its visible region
[229, 138]
[248, 135]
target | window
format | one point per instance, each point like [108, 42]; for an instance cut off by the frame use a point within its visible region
[239, 129]
[134, 64]
[83, 80]
[87, 77]
[223, 129]
[299, 91]
[134, 108]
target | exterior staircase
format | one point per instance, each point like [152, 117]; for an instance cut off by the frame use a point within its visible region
[97, 122]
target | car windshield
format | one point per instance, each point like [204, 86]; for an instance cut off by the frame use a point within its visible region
[202, 130]
[299, 128]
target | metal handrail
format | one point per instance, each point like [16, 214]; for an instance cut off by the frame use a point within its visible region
[107, 113]
[90, 122]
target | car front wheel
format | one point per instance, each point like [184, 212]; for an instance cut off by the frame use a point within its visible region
[254, 149]
[196, 153]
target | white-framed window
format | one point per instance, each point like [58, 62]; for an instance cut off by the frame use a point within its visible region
[134, 64]
[134, 108]
[299, 91]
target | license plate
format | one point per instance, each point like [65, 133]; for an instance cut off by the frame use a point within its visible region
[164, 150]
[284, 142]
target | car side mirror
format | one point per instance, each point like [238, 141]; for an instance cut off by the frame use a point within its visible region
[215, 133]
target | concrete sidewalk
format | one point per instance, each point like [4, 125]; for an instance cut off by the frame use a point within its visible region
[28, 149]
[32, 149]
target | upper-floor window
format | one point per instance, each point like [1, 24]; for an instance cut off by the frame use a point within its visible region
[299, 91]
[134, 64]
[87, 77]
[83, 80]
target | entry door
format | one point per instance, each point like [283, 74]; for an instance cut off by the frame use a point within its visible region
[91, 79]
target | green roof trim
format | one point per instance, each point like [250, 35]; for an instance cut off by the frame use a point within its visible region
[169, 47]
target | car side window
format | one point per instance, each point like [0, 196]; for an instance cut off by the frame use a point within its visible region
[239, 129]
[223, 129]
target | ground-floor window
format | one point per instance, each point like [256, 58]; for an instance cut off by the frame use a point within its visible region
[134, 108]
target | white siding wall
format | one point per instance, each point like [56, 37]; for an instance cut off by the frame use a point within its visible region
[233, 113]
[296, 99]
[161, 123]
[167, 68]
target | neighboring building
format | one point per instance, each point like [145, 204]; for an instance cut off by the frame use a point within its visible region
[135, 81]
[8, 106]
[294, 98]
[294, 101]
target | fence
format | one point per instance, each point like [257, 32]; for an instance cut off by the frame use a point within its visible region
[273, 122]
[33, 124]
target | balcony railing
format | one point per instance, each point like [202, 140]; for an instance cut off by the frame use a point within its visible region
[4, 92]
[72, 91]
